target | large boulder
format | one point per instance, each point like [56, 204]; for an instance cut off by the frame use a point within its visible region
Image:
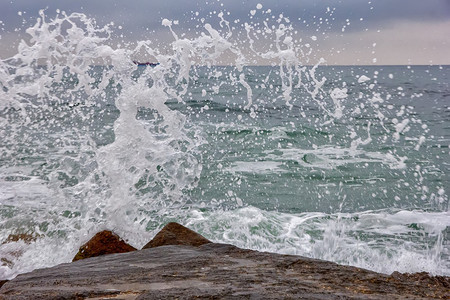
[176, 234]
[104, 242]
[217, 271]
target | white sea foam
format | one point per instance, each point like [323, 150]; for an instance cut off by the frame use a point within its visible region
[259, 167]
[329, 157]
[377, 240]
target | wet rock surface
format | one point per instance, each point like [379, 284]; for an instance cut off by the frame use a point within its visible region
[104, 242]
[216, 271]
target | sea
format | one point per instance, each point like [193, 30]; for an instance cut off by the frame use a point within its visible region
[342, 163]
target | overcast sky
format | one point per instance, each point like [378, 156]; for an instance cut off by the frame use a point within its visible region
[347, 31]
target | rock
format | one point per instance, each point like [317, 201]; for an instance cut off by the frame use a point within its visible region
[10, 251]
[104, 242]
[176, 234]
[25, 237]
[2, 282]
[421, 278]
[216, 271]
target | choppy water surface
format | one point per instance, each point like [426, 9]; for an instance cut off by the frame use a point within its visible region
[348, 164]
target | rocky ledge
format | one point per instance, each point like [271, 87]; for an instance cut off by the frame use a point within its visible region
[180, 264]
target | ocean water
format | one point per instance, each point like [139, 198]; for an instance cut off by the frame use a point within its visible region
[344, 163]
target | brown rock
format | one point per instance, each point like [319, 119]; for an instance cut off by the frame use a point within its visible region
[104, 242]
[2, 282]
[8, 257]
[25, 237]
[422, 278]
[176, 234]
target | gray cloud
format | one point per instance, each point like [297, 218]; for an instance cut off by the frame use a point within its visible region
[136, 15]
[141, 19]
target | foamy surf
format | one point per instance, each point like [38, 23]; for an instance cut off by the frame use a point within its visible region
[384, 241]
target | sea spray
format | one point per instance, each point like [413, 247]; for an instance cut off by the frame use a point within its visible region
[294, 157]
[72, 127]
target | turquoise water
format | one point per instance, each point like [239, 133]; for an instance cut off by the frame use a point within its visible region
[345, 163]
[313, 165]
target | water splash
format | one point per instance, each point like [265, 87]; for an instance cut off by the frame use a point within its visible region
[90, 141]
